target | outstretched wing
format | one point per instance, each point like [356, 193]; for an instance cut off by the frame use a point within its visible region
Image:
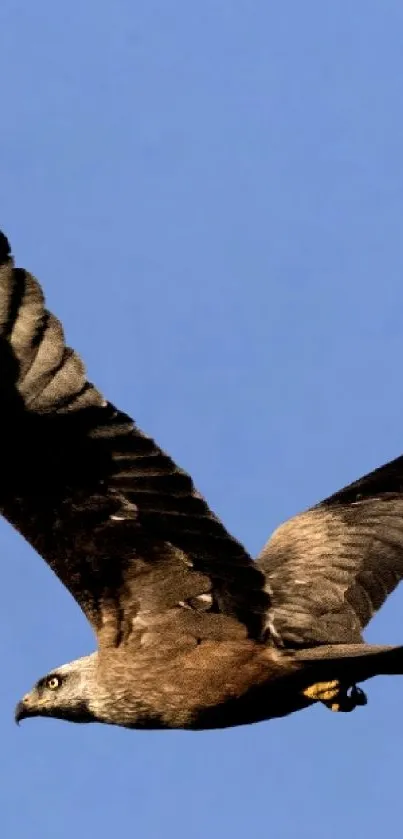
[329, 570]
[118, 522]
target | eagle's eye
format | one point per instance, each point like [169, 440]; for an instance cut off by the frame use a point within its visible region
[53, 682]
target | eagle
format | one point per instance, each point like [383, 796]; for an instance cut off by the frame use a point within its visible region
[191, 632]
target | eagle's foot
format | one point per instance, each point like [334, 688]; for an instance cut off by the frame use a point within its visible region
[323, 691]
[335, 696]
[348, 699]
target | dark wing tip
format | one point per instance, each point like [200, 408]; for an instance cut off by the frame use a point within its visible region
[5, 249]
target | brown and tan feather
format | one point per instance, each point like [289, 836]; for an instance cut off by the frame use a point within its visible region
[119, 523]
[329, 570]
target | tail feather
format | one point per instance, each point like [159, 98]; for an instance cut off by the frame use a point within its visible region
[357, 662]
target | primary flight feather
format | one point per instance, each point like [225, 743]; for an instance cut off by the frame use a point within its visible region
[191, 632]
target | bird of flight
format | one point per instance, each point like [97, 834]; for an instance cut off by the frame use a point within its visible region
[191, 632]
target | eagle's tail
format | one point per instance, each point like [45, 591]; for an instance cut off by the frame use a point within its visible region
[353, 662]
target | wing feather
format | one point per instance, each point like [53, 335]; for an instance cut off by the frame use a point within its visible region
[109, 511]
[329, 570]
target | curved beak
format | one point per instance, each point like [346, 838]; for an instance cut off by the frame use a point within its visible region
[24, 709]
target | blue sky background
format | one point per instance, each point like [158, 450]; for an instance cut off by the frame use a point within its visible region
[212, 196]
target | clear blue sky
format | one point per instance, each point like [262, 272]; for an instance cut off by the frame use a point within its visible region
[212, 196]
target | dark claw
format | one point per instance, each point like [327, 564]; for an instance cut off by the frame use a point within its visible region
[351, 698]
[358, 696]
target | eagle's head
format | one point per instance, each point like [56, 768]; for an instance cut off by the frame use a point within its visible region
[64, 693]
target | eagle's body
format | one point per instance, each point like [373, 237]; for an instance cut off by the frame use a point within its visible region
[209, 685]
[192, 633]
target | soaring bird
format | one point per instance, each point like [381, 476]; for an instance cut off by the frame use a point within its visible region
[191, 632]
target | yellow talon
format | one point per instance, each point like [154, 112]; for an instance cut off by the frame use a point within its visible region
[323, 691]
[335, 696]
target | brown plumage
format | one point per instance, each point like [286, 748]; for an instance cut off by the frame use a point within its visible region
[191, 631]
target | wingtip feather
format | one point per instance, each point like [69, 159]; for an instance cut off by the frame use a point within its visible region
[5, 249]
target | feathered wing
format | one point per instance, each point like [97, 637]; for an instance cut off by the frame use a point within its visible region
[118, 522]
[328, 570]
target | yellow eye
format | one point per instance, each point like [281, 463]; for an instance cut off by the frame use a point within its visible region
[53, 682]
